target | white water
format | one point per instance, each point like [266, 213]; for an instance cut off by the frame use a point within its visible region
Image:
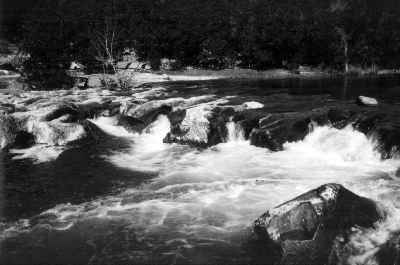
[148, 153]
[213, 195]
[38, 153]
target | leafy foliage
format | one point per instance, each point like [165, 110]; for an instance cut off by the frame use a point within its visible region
[212, 33]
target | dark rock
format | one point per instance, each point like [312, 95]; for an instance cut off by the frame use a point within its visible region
[93, 134]
[218, 131]
[152, 115]
[175, 118]
[6, 108]
[93, 109]
[305, 228]
[131, 124]
[383, 124]
[23, 140]
[8, 67]
[61, 110]
[277, 128]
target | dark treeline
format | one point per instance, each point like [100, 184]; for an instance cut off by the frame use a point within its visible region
[255, 34]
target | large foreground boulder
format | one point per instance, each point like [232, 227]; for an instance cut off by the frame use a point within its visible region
[303, 230]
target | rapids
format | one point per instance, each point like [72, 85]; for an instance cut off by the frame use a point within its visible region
[108, 177]
[201, 203]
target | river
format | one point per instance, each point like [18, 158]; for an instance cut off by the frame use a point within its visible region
[130, 198]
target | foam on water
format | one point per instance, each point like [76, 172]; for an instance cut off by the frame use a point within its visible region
[211, 195]
[109, 125]
[148, 152]
[38, 153]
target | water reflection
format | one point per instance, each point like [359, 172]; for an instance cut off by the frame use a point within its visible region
[340, 87]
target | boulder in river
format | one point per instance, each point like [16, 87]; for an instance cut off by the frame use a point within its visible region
[131, 124]
[201, 125]
[304, 229]
[274, 129]
[367, 101]
[8, 130]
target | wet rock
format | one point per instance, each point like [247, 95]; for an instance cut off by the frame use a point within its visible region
[272, 130]
[202, 125]
[367, 101]
[305, 228]
[131, 124]
[6, 108]
[147, 112]
[383, 124]
[218, 121]
[94, 109]
[23, 140]
[140, 110]
[54, 132]
[193, 128]
[8, 130]
[61, 110]
[277, 128]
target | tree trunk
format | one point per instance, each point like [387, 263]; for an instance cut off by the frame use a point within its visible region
[346, 56]
[344, 40]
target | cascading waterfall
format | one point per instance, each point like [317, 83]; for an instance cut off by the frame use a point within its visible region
[203, 201]
[235, 132]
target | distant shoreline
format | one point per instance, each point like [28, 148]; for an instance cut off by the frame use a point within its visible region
[152, 76]
[143, 77]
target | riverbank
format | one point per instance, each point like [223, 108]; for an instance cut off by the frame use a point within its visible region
[133, 78]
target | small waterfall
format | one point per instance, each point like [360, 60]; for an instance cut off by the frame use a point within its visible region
[110, 126]
[235, 132]
[147, 152]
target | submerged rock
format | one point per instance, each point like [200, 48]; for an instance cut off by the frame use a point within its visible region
[367, 101]
[303, 230]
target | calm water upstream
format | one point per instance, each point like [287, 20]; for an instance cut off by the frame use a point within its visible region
[132, 199]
